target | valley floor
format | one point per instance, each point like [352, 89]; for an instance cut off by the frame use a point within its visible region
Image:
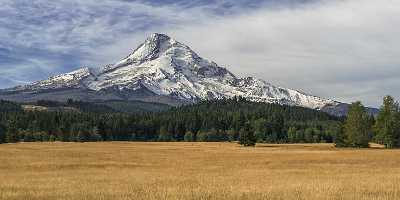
[119, 170]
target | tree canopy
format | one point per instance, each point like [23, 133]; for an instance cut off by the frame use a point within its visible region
[217, 120]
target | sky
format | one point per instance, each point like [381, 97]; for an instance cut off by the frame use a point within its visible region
[346, 50]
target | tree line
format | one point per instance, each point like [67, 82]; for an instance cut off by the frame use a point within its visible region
[359, 128]
[208, 121]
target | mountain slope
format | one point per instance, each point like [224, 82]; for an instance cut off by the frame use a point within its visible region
[161, 70]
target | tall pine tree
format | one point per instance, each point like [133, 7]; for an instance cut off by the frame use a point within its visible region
[357, 126]
[387, 127]
[12, 132]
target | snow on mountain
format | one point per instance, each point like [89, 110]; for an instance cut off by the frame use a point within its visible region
[67, 80]
[166, 67]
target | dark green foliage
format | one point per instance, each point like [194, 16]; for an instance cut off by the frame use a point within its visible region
[164, 135]
[387, 125]
[52, 138]
[209, 121]
[78, 105]
[202, 136]
[246, 136]
[7, 106]
[292, 135]
[12, 135]
[261, 129]
[212, 136]
[357, 127]
[2, 133]
[135, 106]
[189, 137]
[104, 107]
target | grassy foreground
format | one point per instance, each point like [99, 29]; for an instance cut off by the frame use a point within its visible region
[74, 171]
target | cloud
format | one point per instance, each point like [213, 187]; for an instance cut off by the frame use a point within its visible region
[345, 50]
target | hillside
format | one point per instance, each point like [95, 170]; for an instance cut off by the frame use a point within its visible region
[215, 120]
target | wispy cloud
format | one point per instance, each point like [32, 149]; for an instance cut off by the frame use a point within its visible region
[347, 50]
[57, 36]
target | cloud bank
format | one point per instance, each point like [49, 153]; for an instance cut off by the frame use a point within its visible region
[345, 50]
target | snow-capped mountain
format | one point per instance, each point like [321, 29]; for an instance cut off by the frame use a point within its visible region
[161, 70]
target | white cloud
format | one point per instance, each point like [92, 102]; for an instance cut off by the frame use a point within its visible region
[347, 50]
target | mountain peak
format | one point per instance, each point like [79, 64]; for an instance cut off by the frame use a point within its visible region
[164, 67]
[152, 47]
[159, 37]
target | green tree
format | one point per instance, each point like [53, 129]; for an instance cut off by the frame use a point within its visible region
[316, 136]
[2, 133]
[300, 135]
[189, 136]
[202, 136]
[387, 128]
[260, 129]
[357, 127]
[292, 134]
[308, 135]
[12, 132]
[164, 135]
[246, 136]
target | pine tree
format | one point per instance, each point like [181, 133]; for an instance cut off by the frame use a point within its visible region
[2, 133]
[12, 132]
[357, 127]
[260, 129]
[246, 136]
[386, 127]
[308, 135]
[292, 137]
[397, 126]
[339, 137]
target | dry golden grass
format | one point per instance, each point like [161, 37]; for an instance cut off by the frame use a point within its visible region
[100, 171]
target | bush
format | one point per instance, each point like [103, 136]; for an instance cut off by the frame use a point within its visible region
[189, 137]
[202, 136]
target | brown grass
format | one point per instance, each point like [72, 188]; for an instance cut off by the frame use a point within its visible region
[100, 171]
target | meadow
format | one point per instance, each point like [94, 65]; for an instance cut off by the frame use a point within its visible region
[134, 171]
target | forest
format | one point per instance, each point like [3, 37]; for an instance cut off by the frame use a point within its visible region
[233, 119]
[208, 121]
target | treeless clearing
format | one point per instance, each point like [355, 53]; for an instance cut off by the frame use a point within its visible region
[119, 170]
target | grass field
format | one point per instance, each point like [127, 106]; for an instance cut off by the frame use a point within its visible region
[99, 171]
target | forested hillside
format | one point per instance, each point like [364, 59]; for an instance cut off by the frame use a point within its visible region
[218, 120]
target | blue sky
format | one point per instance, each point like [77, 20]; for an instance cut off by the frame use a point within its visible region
[345, 50]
